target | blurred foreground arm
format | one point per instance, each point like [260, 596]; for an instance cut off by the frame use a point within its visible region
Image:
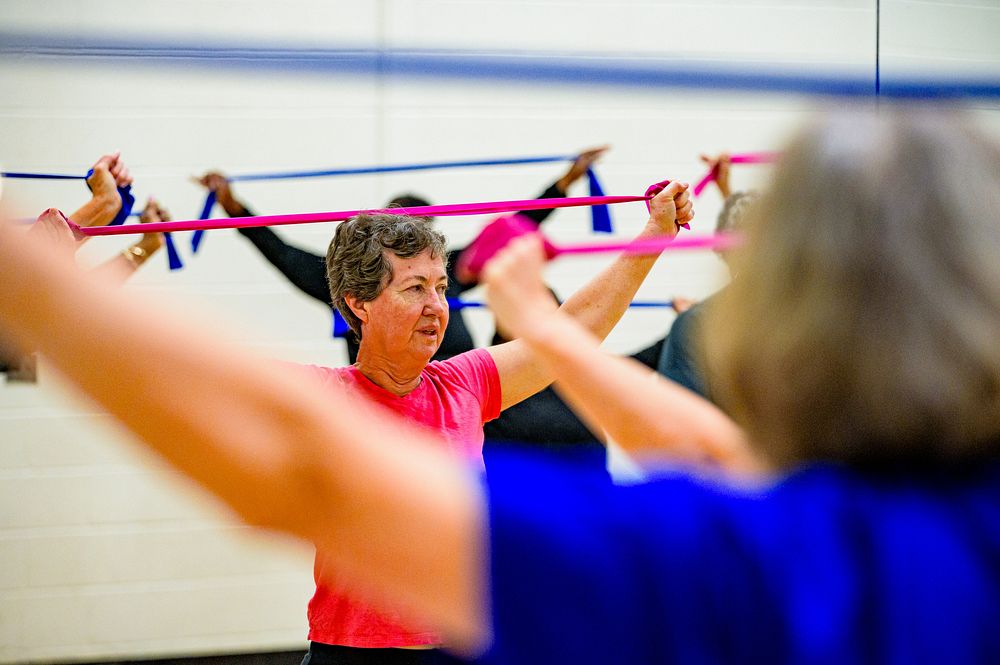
[599, 304]
[283, 452]
[646, 418]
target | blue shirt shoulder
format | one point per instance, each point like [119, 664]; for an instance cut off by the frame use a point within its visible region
[824, 566]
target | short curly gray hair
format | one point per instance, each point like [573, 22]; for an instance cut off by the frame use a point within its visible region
[735, 210]
[356, 262]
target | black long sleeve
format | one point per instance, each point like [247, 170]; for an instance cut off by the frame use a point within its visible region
[455, 287]
[539, 216]
[305, 270]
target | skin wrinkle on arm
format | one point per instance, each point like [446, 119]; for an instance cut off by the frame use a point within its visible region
[283, 451]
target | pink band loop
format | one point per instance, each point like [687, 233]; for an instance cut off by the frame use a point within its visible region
[743, 158]
[655, 189]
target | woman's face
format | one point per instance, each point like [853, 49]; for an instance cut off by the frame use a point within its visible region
[408, 319]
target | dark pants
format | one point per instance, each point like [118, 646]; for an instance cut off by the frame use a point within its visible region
[329, 654]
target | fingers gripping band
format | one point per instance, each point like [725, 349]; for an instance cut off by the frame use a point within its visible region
[745, 158]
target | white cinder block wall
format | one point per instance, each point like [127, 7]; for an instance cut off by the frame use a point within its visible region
[103, 553]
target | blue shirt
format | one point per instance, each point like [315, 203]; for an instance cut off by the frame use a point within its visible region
[827, 566]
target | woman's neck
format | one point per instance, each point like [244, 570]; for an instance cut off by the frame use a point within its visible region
[399, 378]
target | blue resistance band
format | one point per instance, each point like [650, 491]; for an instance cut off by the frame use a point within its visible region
[600, 215]
[539, 68]
[340, 327]
[125, 193]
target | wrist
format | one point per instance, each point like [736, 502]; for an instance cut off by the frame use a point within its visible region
[234, 208]
[136, 255]
[653, 229]
[150, 242]
[108, 202]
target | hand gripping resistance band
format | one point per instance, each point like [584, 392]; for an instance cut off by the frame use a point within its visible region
[600, 216]
[745, 158]
[125, 193]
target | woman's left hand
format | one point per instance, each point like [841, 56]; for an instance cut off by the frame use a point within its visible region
[514, 287]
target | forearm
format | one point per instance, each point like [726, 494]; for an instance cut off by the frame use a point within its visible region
[98, 211]
[123, 265]
[281, 451]
[645, 416]
[601, 302]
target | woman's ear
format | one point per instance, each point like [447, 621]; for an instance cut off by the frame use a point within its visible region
[358, 307]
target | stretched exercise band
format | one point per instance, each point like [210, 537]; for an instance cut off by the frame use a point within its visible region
[745, 158]
[600, 215]
[450, 210]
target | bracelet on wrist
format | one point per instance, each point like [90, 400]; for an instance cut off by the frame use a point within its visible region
[136, 255]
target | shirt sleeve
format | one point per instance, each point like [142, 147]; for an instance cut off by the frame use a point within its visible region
[477, 372]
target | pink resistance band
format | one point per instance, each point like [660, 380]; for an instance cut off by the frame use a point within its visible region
[487, 208]
[744, 158]
[498, 234]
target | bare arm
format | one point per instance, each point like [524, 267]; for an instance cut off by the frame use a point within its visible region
[611, 393]
[400, 519]
[124, 264]
[721, 165]
[598, 305]
[109, 174]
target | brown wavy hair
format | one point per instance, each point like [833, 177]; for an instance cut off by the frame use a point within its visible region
[356, 262]
[864, 324]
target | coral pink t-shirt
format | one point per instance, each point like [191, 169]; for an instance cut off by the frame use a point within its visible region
[454, 398]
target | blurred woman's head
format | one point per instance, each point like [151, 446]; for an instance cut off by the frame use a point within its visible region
[863, 327]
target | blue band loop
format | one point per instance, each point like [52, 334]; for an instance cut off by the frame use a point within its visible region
[125, 193]
[206, 212]
[600, 216]
[173, 258]
[340, 326]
